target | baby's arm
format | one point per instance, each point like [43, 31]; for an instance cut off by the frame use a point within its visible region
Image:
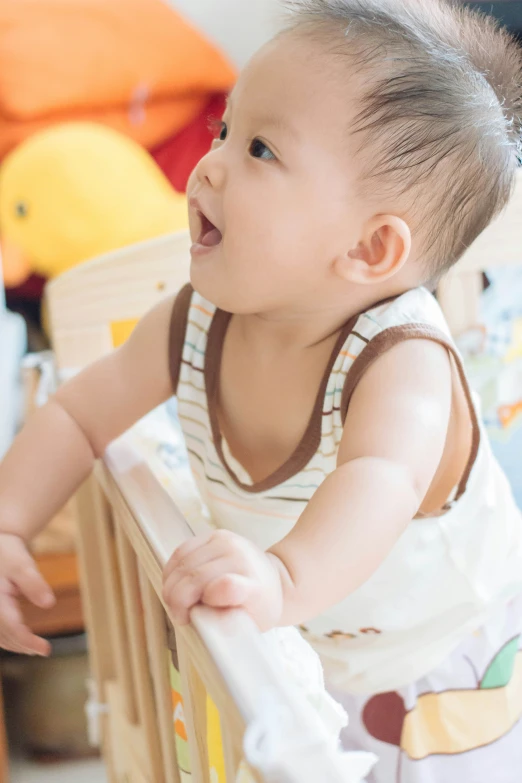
[393, 442]
[56, 451]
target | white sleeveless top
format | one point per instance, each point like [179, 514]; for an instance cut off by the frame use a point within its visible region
[446, 575]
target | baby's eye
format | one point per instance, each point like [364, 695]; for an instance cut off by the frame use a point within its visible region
[223, 132]
[258, 149]
[218, 129]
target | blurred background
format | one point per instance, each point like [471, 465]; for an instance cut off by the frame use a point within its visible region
[105, 108]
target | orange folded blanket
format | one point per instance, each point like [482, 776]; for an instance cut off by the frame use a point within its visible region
[136, 65]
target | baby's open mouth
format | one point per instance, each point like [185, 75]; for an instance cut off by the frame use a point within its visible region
[209, 236]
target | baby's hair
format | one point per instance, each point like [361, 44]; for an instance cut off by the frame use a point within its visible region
[441, 110]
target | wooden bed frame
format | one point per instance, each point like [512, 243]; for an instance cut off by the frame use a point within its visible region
[129, 525]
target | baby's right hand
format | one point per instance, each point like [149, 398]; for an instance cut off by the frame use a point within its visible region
[20, 576]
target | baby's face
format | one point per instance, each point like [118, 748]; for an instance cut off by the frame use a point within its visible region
[274, 202]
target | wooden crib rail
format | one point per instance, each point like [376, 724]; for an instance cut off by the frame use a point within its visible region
[220, 653]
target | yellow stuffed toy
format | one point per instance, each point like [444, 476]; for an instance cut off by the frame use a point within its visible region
[75, 191]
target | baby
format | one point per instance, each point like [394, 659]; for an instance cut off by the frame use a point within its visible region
[328, 419]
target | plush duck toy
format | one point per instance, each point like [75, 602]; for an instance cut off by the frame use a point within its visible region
[75, 191]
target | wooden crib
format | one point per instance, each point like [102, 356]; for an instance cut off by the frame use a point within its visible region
[129, 525]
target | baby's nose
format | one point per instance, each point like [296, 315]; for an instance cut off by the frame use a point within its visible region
[211, 170]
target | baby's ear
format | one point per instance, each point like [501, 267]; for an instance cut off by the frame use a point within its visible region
[382, 251]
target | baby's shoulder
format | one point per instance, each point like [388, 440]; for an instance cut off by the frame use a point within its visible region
[390, 337]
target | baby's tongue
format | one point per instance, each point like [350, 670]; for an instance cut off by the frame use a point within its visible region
[212, 237]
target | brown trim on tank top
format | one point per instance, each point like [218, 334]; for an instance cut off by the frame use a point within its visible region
[177, 331]
[311, 439]
[387, 339]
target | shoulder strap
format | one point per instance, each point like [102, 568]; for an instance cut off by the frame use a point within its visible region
[177, 330]
[387, 339]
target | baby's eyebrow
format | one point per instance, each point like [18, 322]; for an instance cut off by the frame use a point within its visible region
[268, 120]
[278, 123]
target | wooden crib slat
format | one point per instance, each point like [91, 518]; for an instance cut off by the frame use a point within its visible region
[93, 515]
[213, 680]
[99, 562]
[118, 631]
[232, 749]
[127, 749]
[195, 708]
[138, 541]
[158, 660]
[137, 652]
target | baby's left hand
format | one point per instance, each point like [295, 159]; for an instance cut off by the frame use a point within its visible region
[223, 570]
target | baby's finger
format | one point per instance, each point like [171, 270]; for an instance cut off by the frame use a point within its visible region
[227, 591]
[181, 595]
[7, 587]
[32, 644]
[199, 559]
[15, 635]
[184, 551]
[8, 643]
[183, 590]
[33, 586]
[26, 643]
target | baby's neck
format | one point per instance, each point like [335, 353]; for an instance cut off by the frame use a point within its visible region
[299, 328]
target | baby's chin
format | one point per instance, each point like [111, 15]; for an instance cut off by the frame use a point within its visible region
[225, 294]
[209, 281]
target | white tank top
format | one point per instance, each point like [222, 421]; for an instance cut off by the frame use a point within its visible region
[446, 575]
